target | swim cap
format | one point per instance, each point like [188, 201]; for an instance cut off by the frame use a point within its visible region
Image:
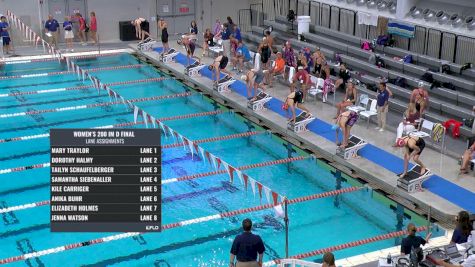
[335, 126]
[400, 142]
[244, 77]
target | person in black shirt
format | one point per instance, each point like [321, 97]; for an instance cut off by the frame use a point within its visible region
[343, 77]
[246, 247]
[412, 241]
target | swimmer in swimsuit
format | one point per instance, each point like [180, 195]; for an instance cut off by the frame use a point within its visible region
[254, 80]
[414, 146]
[344, 121]
[349, 100]
[296, 99]
[163, 25]
[219, 65]
[140, 25]
[190, 46]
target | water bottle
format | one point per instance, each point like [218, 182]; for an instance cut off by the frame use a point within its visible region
[389, 260]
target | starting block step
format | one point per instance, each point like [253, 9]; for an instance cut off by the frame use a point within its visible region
[224, 83]
[169, 56]
[260, 100]
[194, 69]
[147, 44]
[301, 122]
[355, 143]
[413, 180]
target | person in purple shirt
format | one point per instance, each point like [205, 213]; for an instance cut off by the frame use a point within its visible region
[246, 248]
[51, 30]
[382, 105]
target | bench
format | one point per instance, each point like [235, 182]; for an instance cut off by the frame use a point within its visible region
[414, 69]
[344, 37]
[328, 43]
[458, 82]
[277, 26]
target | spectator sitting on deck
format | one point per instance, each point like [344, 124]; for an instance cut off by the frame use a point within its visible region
[412, 241]
[463, 228]
[242, 55]
[278, 69]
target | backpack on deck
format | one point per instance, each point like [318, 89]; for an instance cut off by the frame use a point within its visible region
[407, 59]
[446, 69]
[465, 67]
[427, 77]
[366, 46]
[400, 81]
[448, 86]
[337, 58]
[380, 62]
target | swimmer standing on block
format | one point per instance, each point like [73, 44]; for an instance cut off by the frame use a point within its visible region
[344, 121]
[190, 46]
[295, 99]
[414, 146]
[219, 65]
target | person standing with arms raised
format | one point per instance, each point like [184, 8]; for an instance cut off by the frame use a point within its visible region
[246, 248]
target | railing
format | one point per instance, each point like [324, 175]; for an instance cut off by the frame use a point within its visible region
[245, 19]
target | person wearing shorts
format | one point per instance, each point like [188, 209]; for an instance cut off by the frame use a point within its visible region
[82, 28]
[4, 34]
[68, 33]
[254, 80]
[344, 121]
[242, 55]
[277, 69]
[218, 66]
[413, 146]
[295, 99]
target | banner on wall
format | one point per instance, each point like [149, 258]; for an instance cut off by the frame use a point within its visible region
[401, 28]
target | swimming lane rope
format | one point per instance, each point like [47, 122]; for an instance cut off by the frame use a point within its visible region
[69, 72]
[45, 91]
[226, 137]
[170, 226]
[95, 105]
[118, 125]
[345, 245]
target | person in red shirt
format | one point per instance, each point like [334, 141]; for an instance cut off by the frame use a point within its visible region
[302, 77]
[93, 26]
[82, 28]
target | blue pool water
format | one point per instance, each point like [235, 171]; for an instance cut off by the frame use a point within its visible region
[313, 225]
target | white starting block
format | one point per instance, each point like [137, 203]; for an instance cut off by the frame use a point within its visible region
[413, 180]
[258, 104]
[147, 44]
[351, 151]
[301, 122]
[194, 69]
[169, 55]
[224, 83]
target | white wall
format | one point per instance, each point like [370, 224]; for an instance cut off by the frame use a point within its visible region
[110, 12]
[208, 10]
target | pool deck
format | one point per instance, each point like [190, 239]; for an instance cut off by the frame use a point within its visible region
[358, 167]
[378, 177]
